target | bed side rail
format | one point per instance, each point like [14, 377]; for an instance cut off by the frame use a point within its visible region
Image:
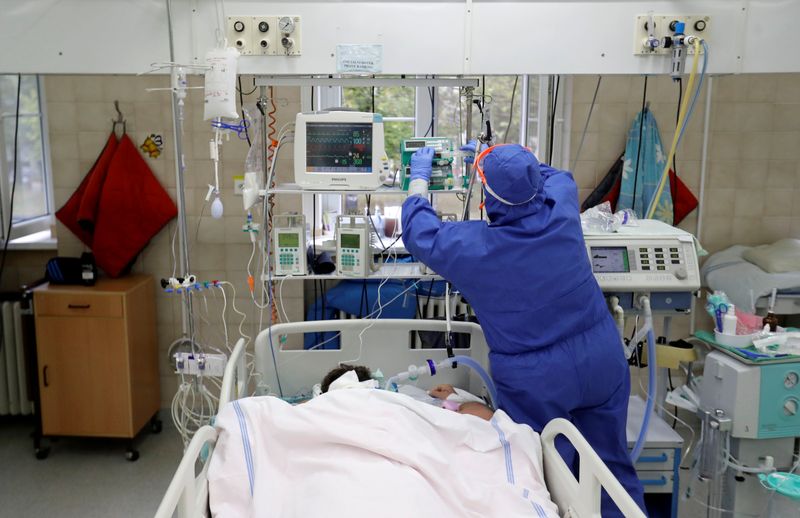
[188, 493]
[235, 380]
[581, 499]
[380, 343]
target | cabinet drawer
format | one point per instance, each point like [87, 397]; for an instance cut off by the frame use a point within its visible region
[78, 304]
[657, 481]
[653, 459]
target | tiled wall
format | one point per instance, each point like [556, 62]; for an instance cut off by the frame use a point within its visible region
[80, 110]
[753, 175]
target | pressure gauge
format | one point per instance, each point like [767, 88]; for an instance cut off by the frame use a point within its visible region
[790, 407]
[286, 25]
[791, 379]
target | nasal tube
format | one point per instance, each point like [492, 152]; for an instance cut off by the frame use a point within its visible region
[430, 368]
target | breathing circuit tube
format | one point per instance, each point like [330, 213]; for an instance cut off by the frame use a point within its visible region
[431, 368]
[487, 381]
[651, 372]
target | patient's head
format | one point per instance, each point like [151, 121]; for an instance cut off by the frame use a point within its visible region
[362, 372]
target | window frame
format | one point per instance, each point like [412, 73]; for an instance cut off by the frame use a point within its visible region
[35, 224]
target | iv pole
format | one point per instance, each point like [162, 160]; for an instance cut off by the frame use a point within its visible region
[187, 315]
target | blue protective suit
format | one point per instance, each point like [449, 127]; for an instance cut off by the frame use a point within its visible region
[554, 348]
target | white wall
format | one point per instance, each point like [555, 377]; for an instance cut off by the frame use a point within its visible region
[442, 37]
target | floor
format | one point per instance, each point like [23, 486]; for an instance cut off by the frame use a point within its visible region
[84, 477]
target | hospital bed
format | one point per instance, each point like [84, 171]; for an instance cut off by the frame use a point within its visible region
[748, 286]
[386, 345]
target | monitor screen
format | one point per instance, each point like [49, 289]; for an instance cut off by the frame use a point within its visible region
[288, 240]
[610, 259]
[338, 147]
[350, 240]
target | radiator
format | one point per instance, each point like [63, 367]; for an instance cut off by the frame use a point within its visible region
[14, 397]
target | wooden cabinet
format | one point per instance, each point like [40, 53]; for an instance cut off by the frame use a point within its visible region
[98, 357]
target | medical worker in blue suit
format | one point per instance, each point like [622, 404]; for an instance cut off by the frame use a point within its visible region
[554, 348]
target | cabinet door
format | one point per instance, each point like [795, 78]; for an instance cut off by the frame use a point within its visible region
[83, 376]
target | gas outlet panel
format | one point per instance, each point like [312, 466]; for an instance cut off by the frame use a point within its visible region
[265, 35]
[696, 25]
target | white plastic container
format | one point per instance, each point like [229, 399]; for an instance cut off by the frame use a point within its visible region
[734, 340]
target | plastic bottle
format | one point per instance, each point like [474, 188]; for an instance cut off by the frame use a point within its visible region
[729, 321]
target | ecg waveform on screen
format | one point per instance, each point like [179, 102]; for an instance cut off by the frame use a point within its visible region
[339, 147]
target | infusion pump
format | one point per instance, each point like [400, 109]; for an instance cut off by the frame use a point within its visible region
[649, 257]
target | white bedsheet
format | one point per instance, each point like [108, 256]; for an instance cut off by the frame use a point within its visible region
[358, 453]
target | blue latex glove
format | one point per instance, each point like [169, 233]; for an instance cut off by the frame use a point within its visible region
[470, 147]
[422, 164]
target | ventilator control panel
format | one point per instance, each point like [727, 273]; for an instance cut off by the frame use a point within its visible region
[641, 259]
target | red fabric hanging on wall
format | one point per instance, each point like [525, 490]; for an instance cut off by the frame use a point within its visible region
[133, 208]
[80, 212]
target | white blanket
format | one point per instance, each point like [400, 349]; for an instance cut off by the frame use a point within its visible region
[359, 453]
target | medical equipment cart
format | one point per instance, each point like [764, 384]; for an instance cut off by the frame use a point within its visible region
[658, 468]
[98, 359]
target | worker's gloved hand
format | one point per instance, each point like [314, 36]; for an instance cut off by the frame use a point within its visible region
[422, 164]
[470, 148]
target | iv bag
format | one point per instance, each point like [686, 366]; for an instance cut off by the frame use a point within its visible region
[220, 85]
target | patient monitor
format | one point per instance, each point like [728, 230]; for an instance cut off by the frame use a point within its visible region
[339, 150]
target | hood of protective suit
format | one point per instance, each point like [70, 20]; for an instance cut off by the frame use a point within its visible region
[512, 172]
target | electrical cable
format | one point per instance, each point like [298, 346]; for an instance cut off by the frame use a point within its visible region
[639, 144]
[672, 387]
[7, 239]
[553, 122]
[586, 126]
[511, 110]
[673, 184]
[241, 105]
[430, 129]
[379, 310]
[271, 152]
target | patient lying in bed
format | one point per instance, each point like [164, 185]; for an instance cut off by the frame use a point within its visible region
[399, 458]
[446, 394]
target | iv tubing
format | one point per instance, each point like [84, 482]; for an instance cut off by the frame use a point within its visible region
[684, 106]
[652, 378]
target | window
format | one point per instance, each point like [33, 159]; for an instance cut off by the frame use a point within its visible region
[503, 97]
[395, 103]
[32, 204]
[397, 106]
